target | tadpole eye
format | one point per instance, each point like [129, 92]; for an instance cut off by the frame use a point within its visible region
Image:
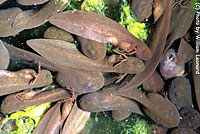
[86, 101]
[171, 57]
[178, 9]
[88, 87]
[172, 112]
[90, 53]
[175, 94]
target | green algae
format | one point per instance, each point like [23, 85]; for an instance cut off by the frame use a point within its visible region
[96, 6]
[26, 120]
[103, 123]
[130, 22]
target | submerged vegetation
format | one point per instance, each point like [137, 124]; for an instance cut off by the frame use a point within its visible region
[96, 6]
[25, 121]
[129, 21]
[103, 123]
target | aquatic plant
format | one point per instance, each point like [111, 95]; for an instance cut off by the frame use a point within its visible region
[103, 123]
[130, 22]
[96, 6]
[74, 5]
[134, 125]
[26, 120]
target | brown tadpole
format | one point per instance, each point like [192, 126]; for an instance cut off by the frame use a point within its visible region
[180, 92]
[105, 100]
[181, 20]
[162, 111]
[190, 118]
[4, 56]
[9, 126]
[120, 114]
[14, 20]
[154, 84]
[11, 103]
[159, 8]
[53, 120]
[7, 17]
[54, 32]
[102, 29]
[33, 18]
[93, 49]
[66, 54]
[142, 9]
[15, 81]
[82, 81]
[185, 52]
[76, 120]
[157, 107]
[24, 55]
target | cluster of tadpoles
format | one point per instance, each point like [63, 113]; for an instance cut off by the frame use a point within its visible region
[83, 76]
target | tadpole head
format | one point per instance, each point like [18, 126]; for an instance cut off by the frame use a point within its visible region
[168, 66]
